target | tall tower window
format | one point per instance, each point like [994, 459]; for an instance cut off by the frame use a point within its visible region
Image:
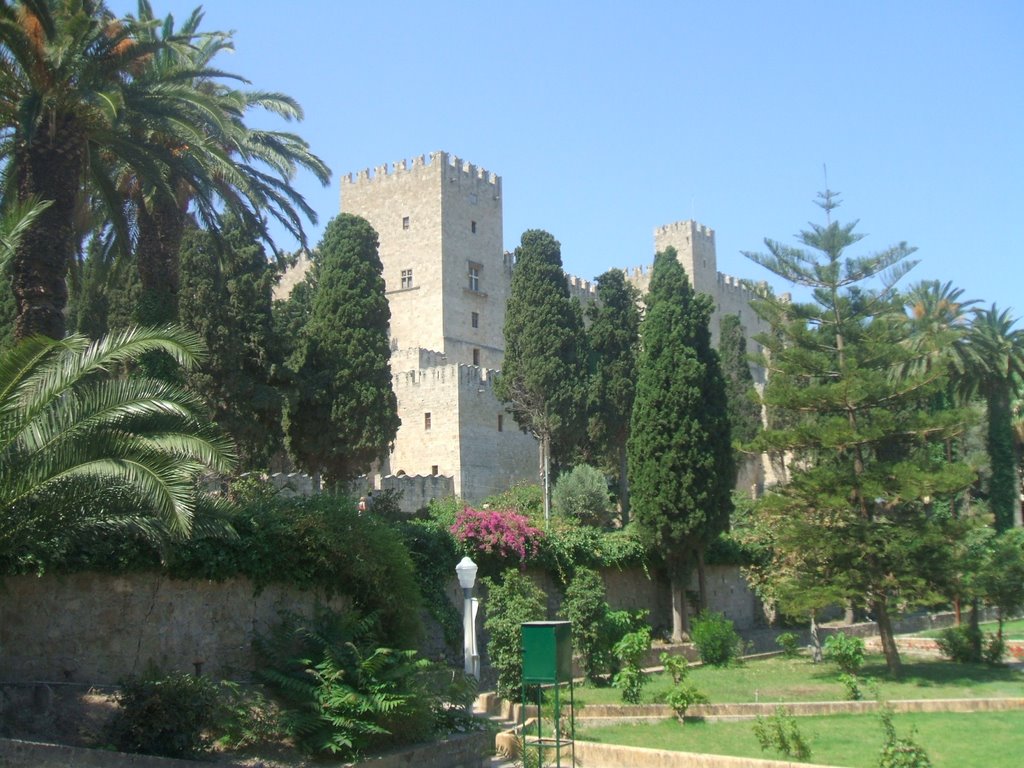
[472, 227]
[407, 278]
[474, 319]
[405, 222]
[426, 421]
[501, 422]
[476, 356]
[474, 276]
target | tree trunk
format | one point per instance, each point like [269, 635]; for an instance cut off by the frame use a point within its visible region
[157, 252]
[679, 577]
[975, 633]
[702, 582]
[623, 486]
[680, 617]
[885, 634]
[545, 474]
[849, 616]
[815, 640]
[956, 609]
[51, 170]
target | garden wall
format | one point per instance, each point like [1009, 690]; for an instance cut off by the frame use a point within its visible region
[97, 628]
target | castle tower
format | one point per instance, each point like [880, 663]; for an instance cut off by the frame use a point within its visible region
[695, 245]
[447, 279]
[440, 226]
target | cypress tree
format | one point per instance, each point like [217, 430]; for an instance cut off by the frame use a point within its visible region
[681, 465]
[225, 296]
[614, 335]
[544, 375]
[342, 413]
[744, 404]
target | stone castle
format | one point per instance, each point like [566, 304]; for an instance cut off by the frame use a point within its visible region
[448, 279]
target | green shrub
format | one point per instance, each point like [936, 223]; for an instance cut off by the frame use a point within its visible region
[630, 651]
[166, 715]
[781, 733]
[715, 638]
[682, 697]
[789, 643]
[960, 644]
[676, 666]
[582, 493]
[510, 602]
[899, 752]
[585, 607]
[993, 650]
[846, 651]
[853, 685]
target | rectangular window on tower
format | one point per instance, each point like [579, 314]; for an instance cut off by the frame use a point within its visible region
[405, 222]
[426, 421]
[476, 357]
[472, 227]
[501, 422]
[406, 278]
[474, 319]
[474, 276]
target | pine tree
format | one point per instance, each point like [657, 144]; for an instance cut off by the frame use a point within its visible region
[544, 374]
[681, 465]
[225, 296]
[614, 334]
[342, 414]
[852, 523]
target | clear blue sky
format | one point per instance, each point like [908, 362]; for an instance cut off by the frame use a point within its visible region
[605, 120]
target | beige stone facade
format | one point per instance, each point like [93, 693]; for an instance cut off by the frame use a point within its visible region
[448, 280]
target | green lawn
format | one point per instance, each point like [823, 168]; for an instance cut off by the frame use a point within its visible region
[1012, 630]
[991, 739]
[786, 680]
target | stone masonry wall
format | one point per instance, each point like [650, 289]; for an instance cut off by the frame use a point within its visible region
[97, 628]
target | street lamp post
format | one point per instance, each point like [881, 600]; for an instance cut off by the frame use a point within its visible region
[466, 571]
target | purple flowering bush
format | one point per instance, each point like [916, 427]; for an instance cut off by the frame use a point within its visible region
[501, 532]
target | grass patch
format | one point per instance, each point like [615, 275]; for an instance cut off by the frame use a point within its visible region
[996, 739]
[1012, 630]
[787, 680]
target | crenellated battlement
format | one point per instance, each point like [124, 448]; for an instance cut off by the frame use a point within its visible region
[688, 226]
[468, 377]
[452, 166]
[580, 287]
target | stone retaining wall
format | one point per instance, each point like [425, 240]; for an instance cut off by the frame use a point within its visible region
[464, 751]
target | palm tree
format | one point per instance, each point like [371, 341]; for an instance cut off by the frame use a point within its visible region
[990, 364]
[219, 164]
[63, 67]
[63, 417]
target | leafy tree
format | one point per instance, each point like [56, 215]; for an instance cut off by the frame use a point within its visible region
[1001, 576]
[227, 301]
[342, 413]
[681, 464]
[744, 403]
[853, 522]
[614, 335]
[582, 493]
[62, 417]
[543, 377]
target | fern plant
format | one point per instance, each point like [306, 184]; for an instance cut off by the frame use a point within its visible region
[342, 694]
